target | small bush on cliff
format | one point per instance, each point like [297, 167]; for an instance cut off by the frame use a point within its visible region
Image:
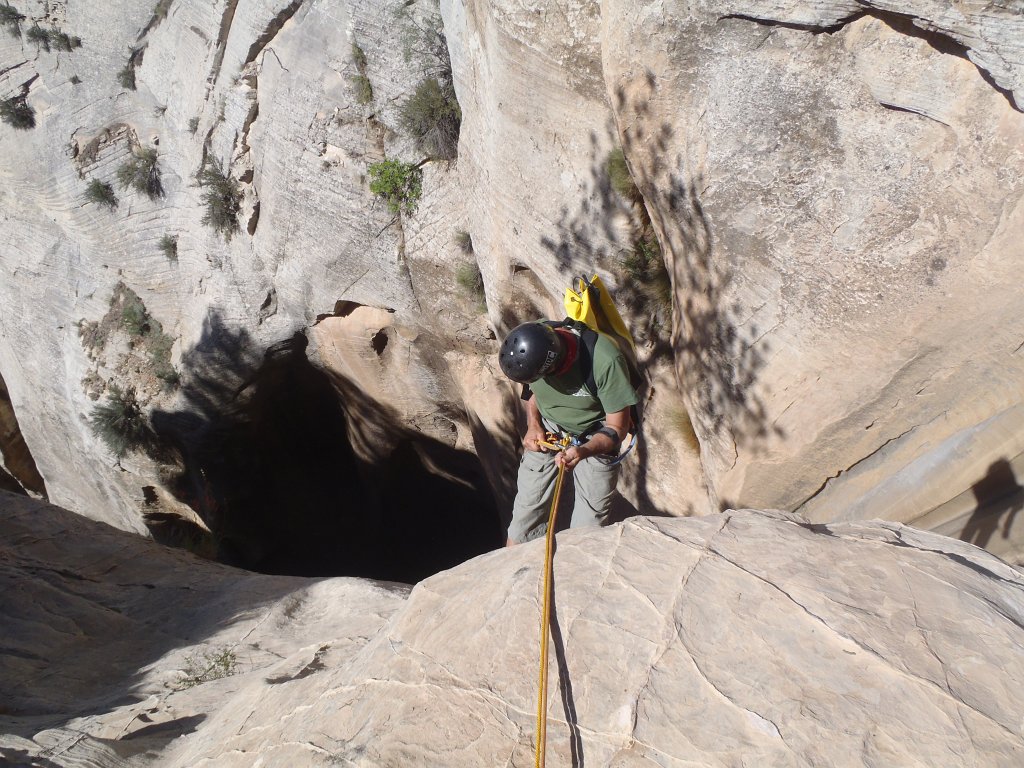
[361, 83]
[142, 173]
[161, 9]
[39, 36]
[119, 422]
[464, 240]
[16, 112]
[649, 279]
[619, 176]
[471, 281]
[11, 19]
[101, 193]
[64, 42]
[212, 665]
[222, 197]
[399, 184]
[126, 77]
[363, 87]
[169, 245]
[432, 117]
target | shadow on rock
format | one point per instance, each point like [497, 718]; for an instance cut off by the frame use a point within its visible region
[999, 498]
[296, 472]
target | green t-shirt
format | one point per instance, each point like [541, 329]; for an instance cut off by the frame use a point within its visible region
[566, 401]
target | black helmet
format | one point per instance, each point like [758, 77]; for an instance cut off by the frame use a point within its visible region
[530, 351]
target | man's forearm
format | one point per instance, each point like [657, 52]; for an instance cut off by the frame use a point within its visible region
[533, 420]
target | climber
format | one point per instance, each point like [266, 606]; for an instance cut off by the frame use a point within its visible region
[551, 361]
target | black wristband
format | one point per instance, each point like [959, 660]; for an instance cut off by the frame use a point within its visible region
[616, 440]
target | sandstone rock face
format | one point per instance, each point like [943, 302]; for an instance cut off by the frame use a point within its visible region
[265, 89]
[838, 188]
[743, 637]
[834, 188]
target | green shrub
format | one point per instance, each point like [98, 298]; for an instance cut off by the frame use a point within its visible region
[464, 241]
[126, 77]
[101, 193]
[213, 665]
[161, 9]
[10, 18]
[432, 117]
[119, 422]
[169, 245]
[399, 184]
[363, 88]
[39, 36]
[472, 283]
[193, 125]
[619, 175]
[17, 113]
[142, 173]
[135, 317]
[645, 266]
[159, 346]
[64, 42]
[358, 56]
[222, 197]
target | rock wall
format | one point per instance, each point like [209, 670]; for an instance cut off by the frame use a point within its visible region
[738, 637]
[834, 189]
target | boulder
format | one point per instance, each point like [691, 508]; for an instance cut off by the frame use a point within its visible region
[740, 637]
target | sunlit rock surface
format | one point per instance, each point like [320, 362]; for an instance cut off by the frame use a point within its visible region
[835, 188]
[739, 637]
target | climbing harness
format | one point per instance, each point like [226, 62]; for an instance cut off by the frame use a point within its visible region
[555, 443]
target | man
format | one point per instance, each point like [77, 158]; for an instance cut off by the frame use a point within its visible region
[555, 364]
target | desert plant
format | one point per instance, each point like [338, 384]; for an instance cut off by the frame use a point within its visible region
[159, 346]
[363, 87]
[649, 278]
[169, 245]
[119, 422]
[222, 198]
[10, 18]
[193, 125]
[64, 42]
[472, 283]
[17, 113]
[135, 317]
[432, 117]
[161, 9]
[126, 77]
[75, 80]
[211, 665]
[464, 241]
[399, 184]
[619, 176]
[39, 36]
[141, 173]
[358, 56]
[101, 193]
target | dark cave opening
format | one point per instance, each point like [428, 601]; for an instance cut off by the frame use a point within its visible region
[263, 451]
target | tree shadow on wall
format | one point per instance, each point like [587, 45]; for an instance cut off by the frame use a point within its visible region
[716, 355]
[267, 463]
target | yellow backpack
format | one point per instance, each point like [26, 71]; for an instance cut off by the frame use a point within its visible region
[588, 303]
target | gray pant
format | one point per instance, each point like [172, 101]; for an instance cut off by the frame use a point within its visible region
[594, 480]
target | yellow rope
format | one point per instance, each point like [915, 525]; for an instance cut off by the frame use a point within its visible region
[545, 618]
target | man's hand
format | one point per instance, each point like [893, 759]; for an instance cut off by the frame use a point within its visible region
[532, 440]
[570, 457]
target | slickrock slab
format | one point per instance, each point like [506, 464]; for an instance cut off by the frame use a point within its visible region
[742, 638]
